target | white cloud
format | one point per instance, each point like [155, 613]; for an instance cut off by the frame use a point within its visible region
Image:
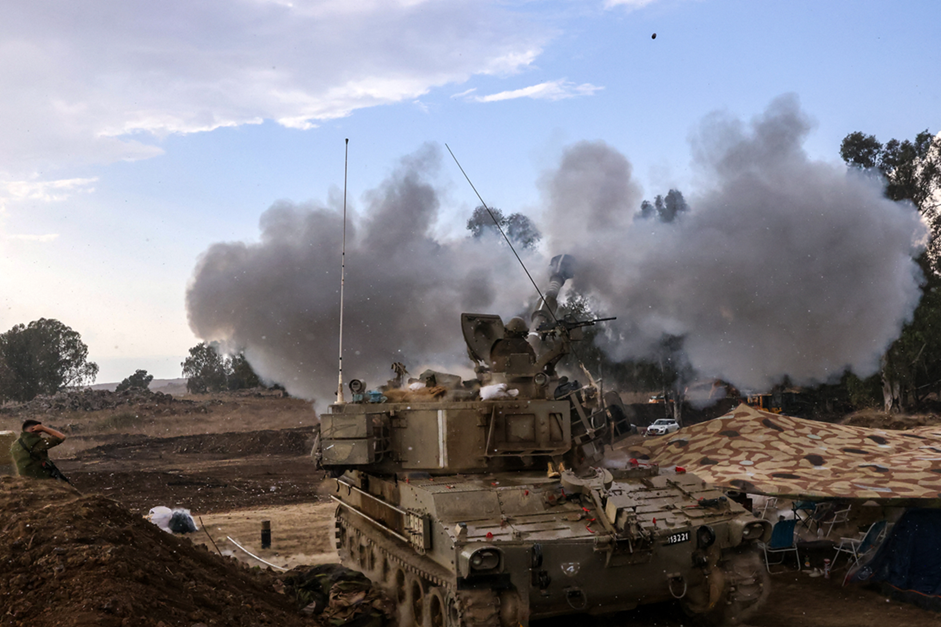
[48, 191]
[466, 92]
[550, 90]
[96, 82]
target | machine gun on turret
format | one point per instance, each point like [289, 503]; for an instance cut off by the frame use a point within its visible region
[568, 323]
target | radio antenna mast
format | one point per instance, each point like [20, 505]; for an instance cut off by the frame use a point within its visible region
[346, 157]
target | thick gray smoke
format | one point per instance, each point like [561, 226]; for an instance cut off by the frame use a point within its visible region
[278, 300]
[783, 266]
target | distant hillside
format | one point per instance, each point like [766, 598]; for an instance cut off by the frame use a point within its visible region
[174, 387]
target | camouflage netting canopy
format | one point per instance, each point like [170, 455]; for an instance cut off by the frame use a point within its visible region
[765, 453]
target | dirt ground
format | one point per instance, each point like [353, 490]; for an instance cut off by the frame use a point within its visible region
[75, 560]
[301, 534]
[235, 461]
[204, 473]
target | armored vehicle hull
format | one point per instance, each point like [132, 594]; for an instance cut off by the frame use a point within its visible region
[506, 547]
[489, 503]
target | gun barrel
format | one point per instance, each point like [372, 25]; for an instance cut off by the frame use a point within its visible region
[586, 323]
[561, 269]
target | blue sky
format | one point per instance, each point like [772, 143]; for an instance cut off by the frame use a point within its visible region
[136, 135]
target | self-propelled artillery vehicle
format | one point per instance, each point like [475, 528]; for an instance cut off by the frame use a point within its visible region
[493, 513]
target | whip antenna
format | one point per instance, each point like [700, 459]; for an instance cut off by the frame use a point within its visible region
[500, 228]
[346, 157]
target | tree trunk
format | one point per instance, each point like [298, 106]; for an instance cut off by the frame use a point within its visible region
[678, 397]
[891, 389]
[665, 395]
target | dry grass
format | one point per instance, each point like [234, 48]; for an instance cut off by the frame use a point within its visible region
[121, 421]
[219, 413]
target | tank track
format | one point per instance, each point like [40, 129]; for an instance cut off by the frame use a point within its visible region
[424, 591]
[426, 594]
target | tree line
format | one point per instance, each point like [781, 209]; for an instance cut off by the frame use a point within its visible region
[46, 356]
[209, 370]
[42, 357]
[911, 368]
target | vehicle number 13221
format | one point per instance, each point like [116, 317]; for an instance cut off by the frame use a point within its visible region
[676, 538]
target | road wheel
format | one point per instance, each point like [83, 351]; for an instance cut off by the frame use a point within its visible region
[479, 608]
[401, 592]
[510, 608]
[416, 600]
[386, 574]
[356, 550]
[748, 588]
[436, 609]
[454, 613]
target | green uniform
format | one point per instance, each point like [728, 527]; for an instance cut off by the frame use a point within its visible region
[31, 465]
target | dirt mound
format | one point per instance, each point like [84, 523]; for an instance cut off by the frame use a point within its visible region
[876, 419]
[71, 560]
[89, 400]
[297, 441]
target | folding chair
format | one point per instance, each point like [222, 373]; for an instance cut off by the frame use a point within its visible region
[857, 547]
[770, 504]
[840, 516]
[782, 541]
[818, 516]
[803, 510]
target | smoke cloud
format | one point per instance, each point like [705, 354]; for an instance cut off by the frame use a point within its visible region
[783, 266]
[278, 299]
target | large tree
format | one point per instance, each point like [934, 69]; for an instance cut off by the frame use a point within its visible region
[911, 170]
[204, 369]
[140, 380]
[911, 368]
[240, 374]
[208, 370]
[664, 208]
[42, 357]
[657, 373]
[518, 228]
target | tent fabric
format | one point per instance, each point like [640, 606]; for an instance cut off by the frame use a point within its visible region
[762, 452]
[909, 560]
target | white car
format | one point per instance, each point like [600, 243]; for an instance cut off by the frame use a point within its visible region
[663, 427]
